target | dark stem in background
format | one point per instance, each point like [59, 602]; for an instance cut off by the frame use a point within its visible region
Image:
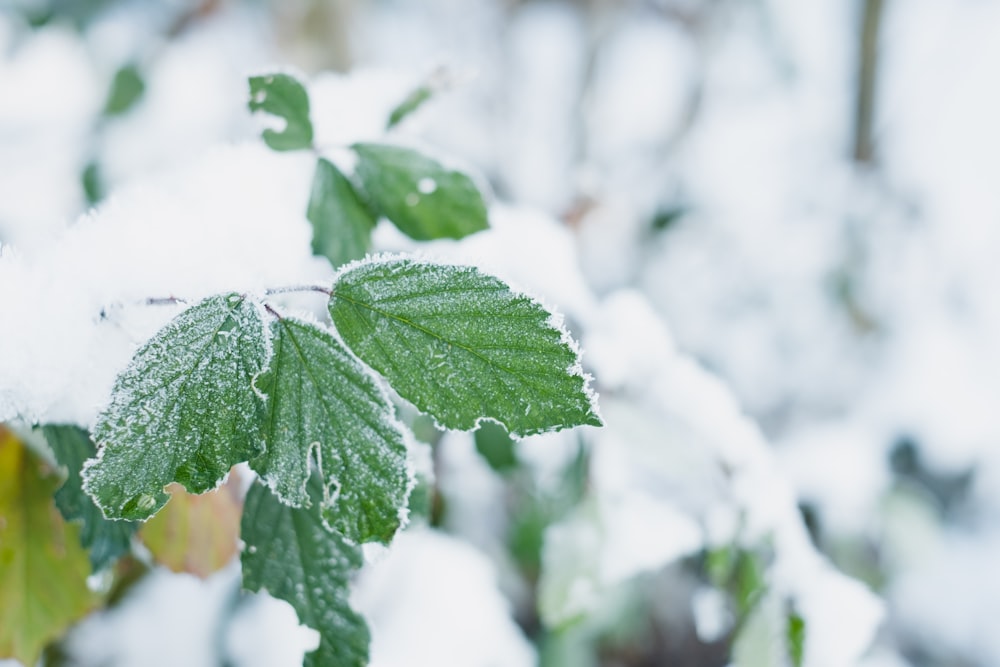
[868, 47]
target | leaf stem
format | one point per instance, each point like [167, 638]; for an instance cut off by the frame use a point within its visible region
[164, 301]
[297, 288]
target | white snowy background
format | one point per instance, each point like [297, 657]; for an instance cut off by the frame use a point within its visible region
[805, 331]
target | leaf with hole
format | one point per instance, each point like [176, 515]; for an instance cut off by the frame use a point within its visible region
[325, 406]
[422, 197]
[282, 95]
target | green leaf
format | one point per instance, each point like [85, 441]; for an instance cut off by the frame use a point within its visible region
[796, 638]
[126, 89]
[750, 582]
[419, 195]
[324, 404]
[342, 224]
[104, 540]
[184, 410]
[411, 103]
[496, 447]
[283, 96]
[462, 346]
[92, 182]
[292, 555]
[43, 568]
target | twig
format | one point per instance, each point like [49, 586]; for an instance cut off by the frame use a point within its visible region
[297, 288]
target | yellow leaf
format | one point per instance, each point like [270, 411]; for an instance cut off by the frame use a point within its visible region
[43, 568]
[197, 534]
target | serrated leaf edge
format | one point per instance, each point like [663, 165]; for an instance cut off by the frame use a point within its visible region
[101, 449]
[556, 321]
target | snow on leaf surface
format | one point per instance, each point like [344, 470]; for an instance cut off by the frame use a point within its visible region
[104, 540]
[283, 96]
[462, 345]
[422, 197]
[342, 224]
[323, 403]
[43, 568]
[292, 555]
[184, 410]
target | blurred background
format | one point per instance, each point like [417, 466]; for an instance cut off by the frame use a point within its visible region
[775, 225]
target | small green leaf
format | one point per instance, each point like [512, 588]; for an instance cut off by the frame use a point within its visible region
[104, 540]
[324, 404]
[126, 89]
[43, 568]
[419, 195]
[342, 224]
[750, 582]
[796, 638]
[292, 555]
[496, 447]
[184, 410]
[462, 346]
[411, 103]
[92, 182]
[720, 562]
[283, 96]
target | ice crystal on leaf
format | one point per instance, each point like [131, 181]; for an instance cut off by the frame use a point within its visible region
[322, 402]
[184, 410]
[462, 345]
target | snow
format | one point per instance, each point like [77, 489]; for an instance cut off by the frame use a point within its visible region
[49, 98]
[190, 628]
[739, 115]
[451, 614]
[696, 418]
[244, 232]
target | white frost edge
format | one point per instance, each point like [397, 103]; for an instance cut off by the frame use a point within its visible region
[85, 478]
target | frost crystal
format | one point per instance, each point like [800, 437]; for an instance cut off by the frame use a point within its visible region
[462, 345]
[184, 410]
[323, 403]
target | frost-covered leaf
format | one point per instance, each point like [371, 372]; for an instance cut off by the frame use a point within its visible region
[422, 197]
[104, 540]
[283, 96]
[324, 404]
[196, 534]
[184, 410]
[43, 567]
[461, 346]
[342, 224]
[292, 555]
